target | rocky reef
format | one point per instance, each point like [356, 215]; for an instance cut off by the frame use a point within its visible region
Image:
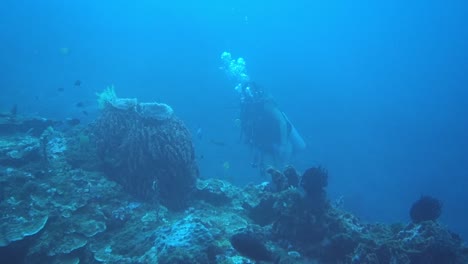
[59, 207]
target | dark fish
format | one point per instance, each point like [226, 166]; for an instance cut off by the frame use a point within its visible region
[61, 89]
[250, 246]
[84, 112]
[72, 121]
[77, 83]
[80, 104]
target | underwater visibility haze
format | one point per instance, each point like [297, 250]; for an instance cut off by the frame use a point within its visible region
[269, 131]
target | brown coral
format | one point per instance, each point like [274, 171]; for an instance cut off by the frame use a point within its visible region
[153, 159]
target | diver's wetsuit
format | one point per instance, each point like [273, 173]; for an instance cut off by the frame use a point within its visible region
[263, 125]
[259, 126]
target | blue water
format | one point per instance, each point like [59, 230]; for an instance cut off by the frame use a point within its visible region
[379, 90]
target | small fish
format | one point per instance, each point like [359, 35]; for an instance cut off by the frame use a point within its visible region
[80, 104]
[84, 112]
[77, 83]
[72, 121]
[200, 133]
[60, 89]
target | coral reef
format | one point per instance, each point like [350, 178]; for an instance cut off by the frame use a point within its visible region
[320, 231]
[149, 151]
[314, 180]
[427, 208]
[34, 126]
[251, 246]
[292, 176]
[55, 211]
[282, 181]
[108, 96]
[81, 149]
[188, 240]
[158, 111]
[278, 180]
[16, 151]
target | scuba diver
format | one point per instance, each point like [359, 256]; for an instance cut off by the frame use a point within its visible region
[266, 128]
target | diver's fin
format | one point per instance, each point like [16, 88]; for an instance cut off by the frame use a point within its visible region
[296, 139]
[288, 124]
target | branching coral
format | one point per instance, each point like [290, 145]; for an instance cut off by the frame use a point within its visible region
[107, 96]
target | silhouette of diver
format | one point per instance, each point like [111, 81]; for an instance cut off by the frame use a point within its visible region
[266, 128]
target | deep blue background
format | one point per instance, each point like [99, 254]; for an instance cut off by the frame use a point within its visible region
[378, 90]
